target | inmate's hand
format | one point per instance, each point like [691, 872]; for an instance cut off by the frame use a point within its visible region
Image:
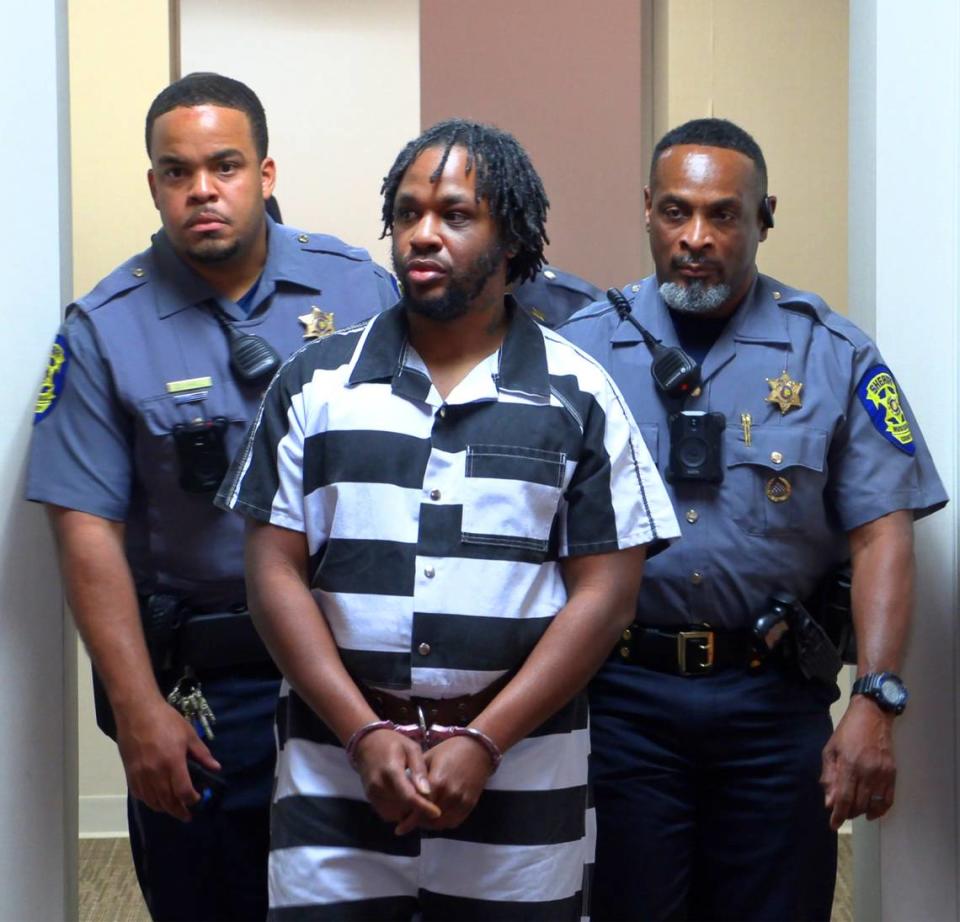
[154, 741]
[394, 777]
[459, 769]
[859, 771]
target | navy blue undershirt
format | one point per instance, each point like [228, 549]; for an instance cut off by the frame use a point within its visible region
[246, 302]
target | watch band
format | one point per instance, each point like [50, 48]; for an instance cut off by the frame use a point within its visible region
[874, 685]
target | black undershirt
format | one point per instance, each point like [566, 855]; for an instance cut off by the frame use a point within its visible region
[697, 334]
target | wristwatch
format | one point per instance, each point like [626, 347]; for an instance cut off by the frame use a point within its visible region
[885, 688]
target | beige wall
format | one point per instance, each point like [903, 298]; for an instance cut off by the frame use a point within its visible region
[119, 60]
[779, 69]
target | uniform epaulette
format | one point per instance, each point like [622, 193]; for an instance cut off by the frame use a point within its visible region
[326, 243]
[571, 282]
[806, 302]
[590, 312]
[132, 274]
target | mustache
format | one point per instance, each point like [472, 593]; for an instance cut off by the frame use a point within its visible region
[688, 261]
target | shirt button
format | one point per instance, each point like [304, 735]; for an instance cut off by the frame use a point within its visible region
[138, 273]
[429, 572]
[442, 413]
[696, 577]
[776, 457]
[424, 649]
[692, 516]
[777, 296]
[434, 495]
[303, 238]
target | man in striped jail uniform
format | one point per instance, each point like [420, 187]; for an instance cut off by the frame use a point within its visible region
[450, 506]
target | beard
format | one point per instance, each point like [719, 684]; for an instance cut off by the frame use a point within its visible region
[462, 286]
[696, 297]
[212, 250]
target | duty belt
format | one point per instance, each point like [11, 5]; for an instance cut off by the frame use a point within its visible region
[691, 651]
[454, 712]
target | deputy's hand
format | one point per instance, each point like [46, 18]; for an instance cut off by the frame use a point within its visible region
[154, 741]
[859, 770]
[394, 777]
[458, 771]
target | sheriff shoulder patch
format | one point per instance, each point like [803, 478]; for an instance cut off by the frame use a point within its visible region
[880, 397]
[53, 380]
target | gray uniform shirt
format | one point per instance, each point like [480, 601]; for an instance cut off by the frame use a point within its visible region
[143, 353]
[847, 451]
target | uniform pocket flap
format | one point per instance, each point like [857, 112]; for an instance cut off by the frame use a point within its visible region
[777, 447]
[162, 413]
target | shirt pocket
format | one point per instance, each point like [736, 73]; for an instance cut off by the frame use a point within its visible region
[775, 485]
[158, 417]
[511, 495]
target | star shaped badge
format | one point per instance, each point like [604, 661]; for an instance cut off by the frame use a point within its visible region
[317, 323]
[784, 392]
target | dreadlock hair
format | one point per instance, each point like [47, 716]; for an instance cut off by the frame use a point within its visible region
[505, 177]
[209, 89]
[713, 132]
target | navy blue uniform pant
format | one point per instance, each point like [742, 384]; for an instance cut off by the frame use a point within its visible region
[707, 793]
[215, 866]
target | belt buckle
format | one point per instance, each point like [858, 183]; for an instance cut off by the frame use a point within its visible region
[705, 643]
[423, 726]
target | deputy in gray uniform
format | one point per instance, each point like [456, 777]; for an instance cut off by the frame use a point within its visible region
[719, 781]
[553, 296]
[152, 381]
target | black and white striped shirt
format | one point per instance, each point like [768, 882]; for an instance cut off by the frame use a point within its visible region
[435, 527]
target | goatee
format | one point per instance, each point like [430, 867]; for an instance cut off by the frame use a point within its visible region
[696, 297]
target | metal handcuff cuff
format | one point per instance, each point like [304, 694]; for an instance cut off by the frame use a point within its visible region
[425, 734]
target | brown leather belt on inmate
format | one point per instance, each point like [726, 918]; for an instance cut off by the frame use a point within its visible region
[444, 712]
[693, 651]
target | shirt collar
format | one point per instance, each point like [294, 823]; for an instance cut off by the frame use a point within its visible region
[181, 287]
[758, 319]
[522, 357]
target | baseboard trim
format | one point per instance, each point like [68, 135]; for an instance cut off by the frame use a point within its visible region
[103, 816]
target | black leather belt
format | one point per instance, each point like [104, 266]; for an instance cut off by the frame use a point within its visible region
[693, 651]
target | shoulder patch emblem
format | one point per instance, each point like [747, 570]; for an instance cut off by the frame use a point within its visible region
[880, 397]
[53, 379]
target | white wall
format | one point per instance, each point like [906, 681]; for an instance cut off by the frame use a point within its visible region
[38, 755]
[340, 81]
[905, 283]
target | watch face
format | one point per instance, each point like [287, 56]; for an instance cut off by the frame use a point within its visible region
[892, 691]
